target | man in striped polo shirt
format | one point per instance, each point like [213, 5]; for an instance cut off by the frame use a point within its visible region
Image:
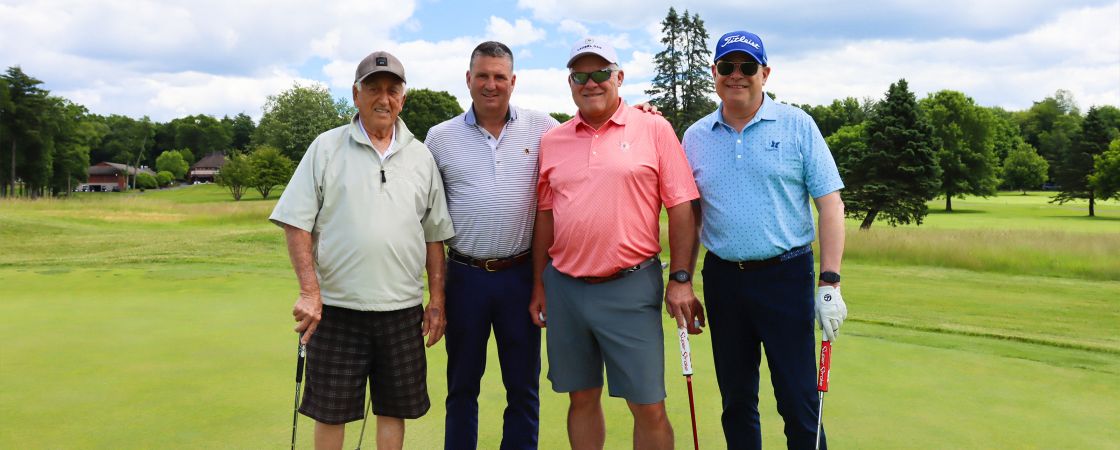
[488, 158]
[604, 177]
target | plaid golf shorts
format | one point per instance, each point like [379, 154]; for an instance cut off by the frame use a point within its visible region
[350, 347]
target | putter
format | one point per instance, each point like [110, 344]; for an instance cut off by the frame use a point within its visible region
[822, 384]
[363, 433]
[301, 353]
[686, 370]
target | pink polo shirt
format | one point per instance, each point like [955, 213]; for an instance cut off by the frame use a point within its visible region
[605, 188]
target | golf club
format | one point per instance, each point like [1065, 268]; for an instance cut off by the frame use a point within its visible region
[301, 353]
[362, 435]
[822, 384]
[686, 369]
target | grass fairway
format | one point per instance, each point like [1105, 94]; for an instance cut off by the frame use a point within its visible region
[162, 320]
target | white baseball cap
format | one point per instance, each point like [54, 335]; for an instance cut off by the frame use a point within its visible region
[593, 45]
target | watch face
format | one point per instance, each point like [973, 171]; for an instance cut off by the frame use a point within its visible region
[830, 277]
[680, 276]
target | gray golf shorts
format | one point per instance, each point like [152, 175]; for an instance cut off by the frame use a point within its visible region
[616, 324]
[350, 347]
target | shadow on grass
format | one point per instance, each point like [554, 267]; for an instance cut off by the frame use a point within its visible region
[1087, 218]
[957, 211]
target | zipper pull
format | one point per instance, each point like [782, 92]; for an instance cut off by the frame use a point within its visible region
[382, 175]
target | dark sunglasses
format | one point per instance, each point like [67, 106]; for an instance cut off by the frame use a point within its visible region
[749, 68]
[597, 76]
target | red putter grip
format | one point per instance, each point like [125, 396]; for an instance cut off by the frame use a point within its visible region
[826, 361]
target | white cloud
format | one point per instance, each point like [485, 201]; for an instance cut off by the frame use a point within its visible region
[1078, 50]
[521, 32]
[573, 27]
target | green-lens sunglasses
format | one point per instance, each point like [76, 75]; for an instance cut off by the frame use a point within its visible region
[597, 76]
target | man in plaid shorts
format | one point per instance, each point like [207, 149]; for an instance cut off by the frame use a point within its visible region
[364, 214]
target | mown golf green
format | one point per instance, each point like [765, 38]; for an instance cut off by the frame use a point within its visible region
[162, 320]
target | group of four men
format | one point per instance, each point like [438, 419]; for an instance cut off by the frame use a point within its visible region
[557, 225]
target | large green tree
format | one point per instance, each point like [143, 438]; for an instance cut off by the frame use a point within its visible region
[75, 133]
[270, 168]
[964, 142]
[21, 146]
[1105, 179]
[200, 133]
[240, 129]
[425, 108]
[293, 118]
[1074, 170]
[847, 144]
[1050, 125]
[838, 114]
[897, 173]
[1024, 169]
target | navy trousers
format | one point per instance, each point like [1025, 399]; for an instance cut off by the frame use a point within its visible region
[772, 309]
[476, 301]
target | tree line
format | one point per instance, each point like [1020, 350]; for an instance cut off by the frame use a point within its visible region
[898, 153]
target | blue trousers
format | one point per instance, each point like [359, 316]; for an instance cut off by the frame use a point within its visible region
[772, 309]
[476, 301]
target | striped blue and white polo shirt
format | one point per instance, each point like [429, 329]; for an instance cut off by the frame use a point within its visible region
[491, 181]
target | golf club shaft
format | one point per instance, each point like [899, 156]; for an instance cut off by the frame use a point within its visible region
[822, 384]
[686, 369]
[301, 353]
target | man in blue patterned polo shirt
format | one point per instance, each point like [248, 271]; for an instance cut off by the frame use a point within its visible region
[757, 162]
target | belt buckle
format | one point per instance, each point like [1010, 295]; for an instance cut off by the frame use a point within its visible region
[486, 265]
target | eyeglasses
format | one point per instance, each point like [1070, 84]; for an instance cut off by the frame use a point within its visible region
[597, 76]
[748, 68]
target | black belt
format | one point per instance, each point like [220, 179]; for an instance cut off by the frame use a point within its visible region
[754, 264]
[490, 264]
[619, 274]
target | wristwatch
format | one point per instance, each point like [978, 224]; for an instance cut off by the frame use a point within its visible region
[830, 277]
[680, 276]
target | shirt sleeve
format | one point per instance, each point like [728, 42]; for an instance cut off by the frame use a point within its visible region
[544, 188]
[674, 174]
[303, 196]
[437, 220]
[820, 173]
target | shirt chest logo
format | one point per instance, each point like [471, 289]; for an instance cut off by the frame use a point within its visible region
[774, 145]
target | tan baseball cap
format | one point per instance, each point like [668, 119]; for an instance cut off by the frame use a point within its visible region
[379, 62]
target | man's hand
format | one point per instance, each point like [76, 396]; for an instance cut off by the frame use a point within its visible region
[682, 304]
[538, 312]
[435, 322]
[308, 310]
[831, 311]
[648, 108]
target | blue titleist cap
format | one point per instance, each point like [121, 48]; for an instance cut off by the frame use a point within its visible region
[741, 41]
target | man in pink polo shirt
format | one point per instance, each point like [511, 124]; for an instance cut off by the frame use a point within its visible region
[604, 176]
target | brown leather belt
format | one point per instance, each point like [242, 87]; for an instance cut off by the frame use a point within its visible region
[491, 264]
[754, 264]
[619, 274]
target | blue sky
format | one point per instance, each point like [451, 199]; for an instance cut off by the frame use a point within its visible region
[166, 59]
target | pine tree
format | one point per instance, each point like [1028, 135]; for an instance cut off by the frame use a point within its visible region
[22, 119]
[897, 173]
[695, 103]
[1074, 170]
[666, 88]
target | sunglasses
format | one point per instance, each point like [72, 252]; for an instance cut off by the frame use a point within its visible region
[748, 68]
[597, 76]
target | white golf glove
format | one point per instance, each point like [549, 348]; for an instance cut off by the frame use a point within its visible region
[831, 311]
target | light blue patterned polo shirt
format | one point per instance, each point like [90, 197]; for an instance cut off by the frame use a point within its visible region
[755, 186]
